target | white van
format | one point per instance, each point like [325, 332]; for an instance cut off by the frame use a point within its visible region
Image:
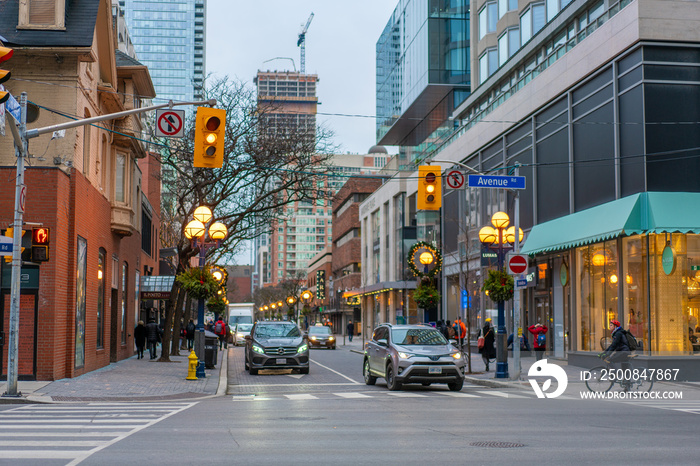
[240, 313]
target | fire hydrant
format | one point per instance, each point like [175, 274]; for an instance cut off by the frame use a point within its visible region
[192, 368]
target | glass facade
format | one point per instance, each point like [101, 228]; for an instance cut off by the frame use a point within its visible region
[169, 38]
[425, 42]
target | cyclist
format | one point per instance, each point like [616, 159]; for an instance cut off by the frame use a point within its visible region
[618, 351]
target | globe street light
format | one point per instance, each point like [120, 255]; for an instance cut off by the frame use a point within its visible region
[196, 231]
[496, 238]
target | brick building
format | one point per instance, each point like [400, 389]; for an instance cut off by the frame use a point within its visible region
[96, 188]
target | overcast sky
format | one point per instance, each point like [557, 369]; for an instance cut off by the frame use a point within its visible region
[340, 48]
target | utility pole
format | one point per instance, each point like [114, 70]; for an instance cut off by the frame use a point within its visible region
[516, 295]
[21, 138]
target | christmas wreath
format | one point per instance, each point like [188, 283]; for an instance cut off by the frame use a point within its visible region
[198, 283]
[435, 266]
[216, 304]
[498, 286]
[426, 295]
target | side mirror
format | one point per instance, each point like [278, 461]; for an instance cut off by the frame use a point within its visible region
[248, 337]
[383, 342]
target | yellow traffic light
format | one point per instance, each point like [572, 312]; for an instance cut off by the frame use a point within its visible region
[209, 137]
[5, 54]
[429, 187]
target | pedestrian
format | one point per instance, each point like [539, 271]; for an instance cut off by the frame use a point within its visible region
[488, 351]
[351, 330]
[220, 331]
[152, 337]
[189, 333]
[140, 339]
[451, 335]
[460, 331]
[540, 342]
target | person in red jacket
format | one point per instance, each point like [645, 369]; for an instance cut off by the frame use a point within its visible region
[539, 331]
[460, 331]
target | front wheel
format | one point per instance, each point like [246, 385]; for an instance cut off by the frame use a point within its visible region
[596, 382]
[304, 370]
[369, 378]
[391, 382]
[253, 371]
[640, 384]
[456, 386]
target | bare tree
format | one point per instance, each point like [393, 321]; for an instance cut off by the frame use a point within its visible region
[266, 168]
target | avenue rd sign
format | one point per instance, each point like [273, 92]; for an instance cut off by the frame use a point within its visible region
[496, 181]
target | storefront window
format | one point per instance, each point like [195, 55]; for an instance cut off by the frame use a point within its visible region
[634, 287]
[598, 285]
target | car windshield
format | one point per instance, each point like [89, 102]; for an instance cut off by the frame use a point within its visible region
[277, 331]
[244, 327]
[319, 331]
[417, 336]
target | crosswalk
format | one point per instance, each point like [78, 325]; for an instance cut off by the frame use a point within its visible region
[74, 432]
[690, 406]
[379, 395]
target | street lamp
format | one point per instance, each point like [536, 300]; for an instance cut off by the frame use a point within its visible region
[497, 238]
[291, 302]
[196, 232]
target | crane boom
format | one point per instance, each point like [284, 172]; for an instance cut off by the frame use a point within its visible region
[301, 42]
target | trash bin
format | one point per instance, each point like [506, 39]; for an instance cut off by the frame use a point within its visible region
[211, 345]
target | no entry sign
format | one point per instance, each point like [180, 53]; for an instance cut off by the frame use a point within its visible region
[517, 264]
[169, 123]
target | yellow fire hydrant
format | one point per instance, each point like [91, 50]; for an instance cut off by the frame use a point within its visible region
[192, 368]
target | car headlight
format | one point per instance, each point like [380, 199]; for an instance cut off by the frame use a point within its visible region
[457, 355]
[312, 338]
[258, 349]
[303, 348]
[331, 338]
[240, 335]
[405, 355]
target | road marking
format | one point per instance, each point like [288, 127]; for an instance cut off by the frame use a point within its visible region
[352, 395]
[301, 396]
[294, 385]
[459, 394]
[338, 373]
[50, 443]
[406, 394]
[501, 394]
[295, 376]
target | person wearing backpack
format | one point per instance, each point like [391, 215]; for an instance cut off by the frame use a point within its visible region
[189, 333]
[540, 343]
[619, 350]
[220, 331]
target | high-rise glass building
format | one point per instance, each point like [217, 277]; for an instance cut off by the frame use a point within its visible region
[169, 38]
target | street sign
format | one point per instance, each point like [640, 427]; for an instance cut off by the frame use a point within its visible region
[170, 123]
[695, 267]
[517, 263]
[5, 245]
[486, 181]
[520, 282]
[455, 179]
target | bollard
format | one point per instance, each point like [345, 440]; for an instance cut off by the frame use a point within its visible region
[192, 367]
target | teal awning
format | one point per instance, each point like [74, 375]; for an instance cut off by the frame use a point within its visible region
[649, 212]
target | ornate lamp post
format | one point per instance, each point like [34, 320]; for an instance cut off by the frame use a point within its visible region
[498, 238]
[196, 232]
[291, 302]
[306, 297]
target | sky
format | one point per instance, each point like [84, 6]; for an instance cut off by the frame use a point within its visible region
[340, 49]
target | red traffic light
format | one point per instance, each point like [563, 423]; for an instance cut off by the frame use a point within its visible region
[40, 235]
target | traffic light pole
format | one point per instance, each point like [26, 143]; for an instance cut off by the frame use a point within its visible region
[21, 138]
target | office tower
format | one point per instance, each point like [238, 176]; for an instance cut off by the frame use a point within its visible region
[169, 37]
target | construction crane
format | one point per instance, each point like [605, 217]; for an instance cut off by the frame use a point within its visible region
[301, 42]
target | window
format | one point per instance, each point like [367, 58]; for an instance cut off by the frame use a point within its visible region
[508, 44]
[80, 302]
[100, 297]
[488, 64]
[124, 282]
[146, 231]
[42, 14]
[531, 21]
[86, 145]
[120, 181]
[506, 5]
[488, 17]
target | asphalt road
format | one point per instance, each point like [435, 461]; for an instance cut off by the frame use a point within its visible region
[330, 417]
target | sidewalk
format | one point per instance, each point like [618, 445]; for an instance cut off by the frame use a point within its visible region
[128, 380]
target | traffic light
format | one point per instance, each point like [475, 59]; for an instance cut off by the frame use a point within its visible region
[429, 187]
[40, 244]
[209, 137]
[5, 54]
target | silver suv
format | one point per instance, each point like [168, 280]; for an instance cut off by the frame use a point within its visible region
[412, 354]
[276, 345]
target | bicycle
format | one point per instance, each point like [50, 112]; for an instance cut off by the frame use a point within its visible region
[603, 378]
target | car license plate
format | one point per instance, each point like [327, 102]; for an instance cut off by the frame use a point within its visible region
[281, 360]
[435, 370]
